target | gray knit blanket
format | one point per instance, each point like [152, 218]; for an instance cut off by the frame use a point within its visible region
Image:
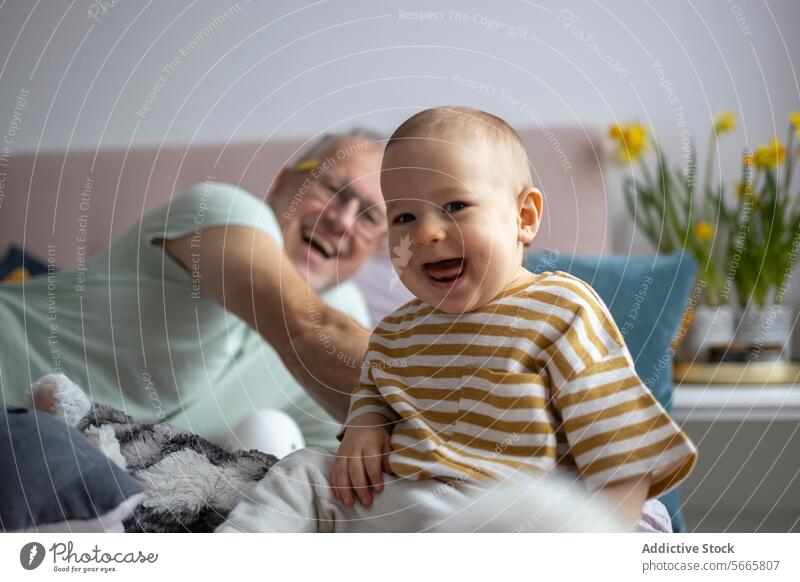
[190, 484]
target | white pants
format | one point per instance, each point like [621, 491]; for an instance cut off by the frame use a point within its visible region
[296, 496]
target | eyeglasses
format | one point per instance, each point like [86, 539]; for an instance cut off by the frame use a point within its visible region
[370, 222]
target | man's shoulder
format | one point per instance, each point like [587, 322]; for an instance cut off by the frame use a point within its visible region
[212, 203]
[210, 195]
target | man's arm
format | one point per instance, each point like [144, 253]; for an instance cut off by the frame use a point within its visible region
[244, 270]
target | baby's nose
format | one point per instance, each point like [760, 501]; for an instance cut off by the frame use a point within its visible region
[429, 230]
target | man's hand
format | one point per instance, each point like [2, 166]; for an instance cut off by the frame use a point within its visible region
[362, 458]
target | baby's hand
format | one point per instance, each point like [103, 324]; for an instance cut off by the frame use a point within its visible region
[363, 453]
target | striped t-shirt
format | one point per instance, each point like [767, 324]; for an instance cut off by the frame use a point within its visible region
[537, 379]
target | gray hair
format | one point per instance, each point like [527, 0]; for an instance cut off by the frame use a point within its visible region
[320, 147]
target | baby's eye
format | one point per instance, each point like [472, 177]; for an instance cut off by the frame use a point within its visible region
[454, 206]
[403, 218]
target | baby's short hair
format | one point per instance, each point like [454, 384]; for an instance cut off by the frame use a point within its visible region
[453, 123]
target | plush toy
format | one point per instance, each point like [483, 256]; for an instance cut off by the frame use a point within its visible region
[190, 484]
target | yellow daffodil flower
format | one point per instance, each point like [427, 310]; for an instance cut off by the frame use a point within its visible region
[631, 140]
[794, 117]
[704, 231]
[769, 156]
[724, 122]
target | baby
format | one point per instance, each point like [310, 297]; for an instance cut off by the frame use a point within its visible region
[492, 373]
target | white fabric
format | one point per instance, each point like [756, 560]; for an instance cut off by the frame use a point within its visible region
[269, 431]
[655, 518]
[296, 496]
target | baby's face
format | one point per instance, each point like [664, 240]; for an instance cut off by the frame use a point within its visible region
[454, 228]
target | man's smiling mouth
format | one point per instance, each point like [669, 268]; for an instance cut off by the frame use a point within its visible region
[318, 244]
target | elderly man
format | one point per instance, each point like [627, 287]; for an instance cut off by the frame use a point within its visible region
[200, 309]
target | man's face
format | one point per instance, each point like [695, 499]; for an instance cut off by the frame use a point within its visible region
[332, 215]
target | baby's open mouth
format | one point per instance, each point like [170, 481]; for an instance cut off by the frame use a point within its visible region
[446, 270]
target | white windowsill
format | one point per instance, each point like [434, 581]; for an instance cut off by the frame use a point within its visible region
[705, 403]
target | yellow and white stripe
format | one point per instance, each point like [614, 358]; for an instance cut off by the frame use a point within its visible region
[536, 379]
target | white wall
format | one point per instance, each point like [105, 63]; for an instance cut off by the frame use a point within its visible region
[256, 69]
[294, 68]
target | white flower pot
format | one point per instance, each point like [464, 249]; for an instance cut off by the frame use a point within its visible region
[711, 327]
[766, 332]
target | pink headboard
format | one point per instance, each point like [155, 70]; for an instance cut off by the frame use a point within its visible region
[49, 200]
[51, 197]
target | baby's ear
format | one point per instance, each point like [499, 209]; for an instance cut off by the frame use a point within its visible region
[529, 207]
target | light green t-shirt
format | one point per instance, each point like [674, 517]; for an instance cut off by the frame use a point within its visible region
[132, 329]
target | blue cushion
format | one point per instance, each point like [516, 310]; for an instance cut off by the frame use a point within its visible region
[647, 297]
[52, 476]
[16, 257]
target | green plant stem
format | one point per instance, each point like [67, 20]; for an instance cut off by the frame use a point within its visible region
[664, 242]
[787, 169]
[709, 169]
[793, 155]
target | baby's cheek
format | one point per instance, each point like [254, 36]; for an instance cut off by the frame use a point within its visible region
[409, 278]
[481, 262]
